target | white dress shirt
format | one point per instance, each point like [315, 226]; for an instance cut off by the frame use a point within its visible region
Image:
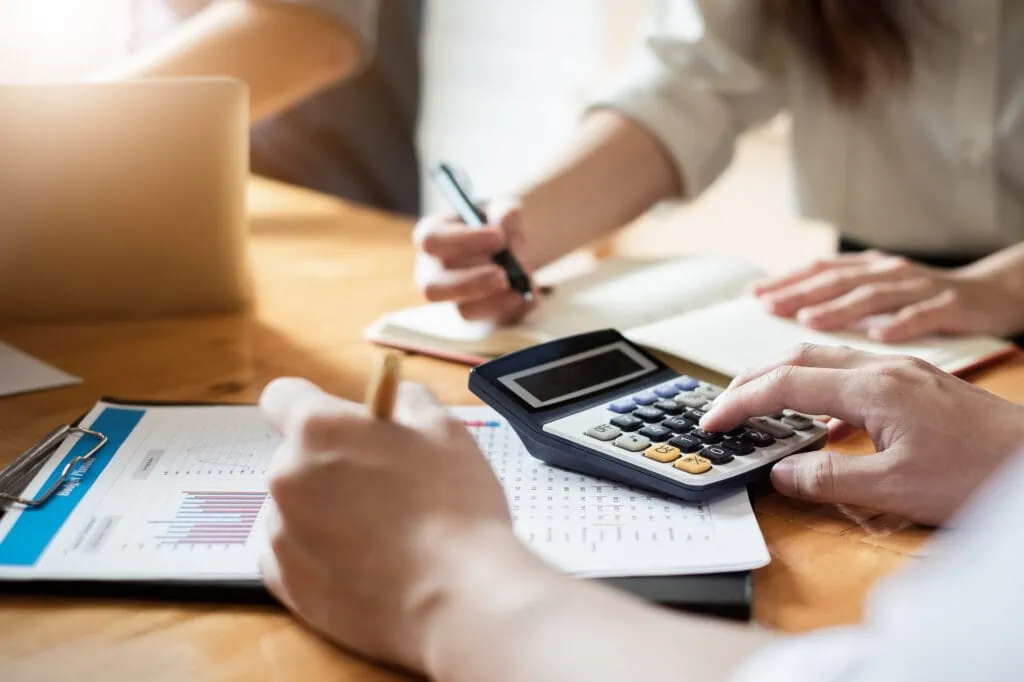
[957, 616]
[936, 167]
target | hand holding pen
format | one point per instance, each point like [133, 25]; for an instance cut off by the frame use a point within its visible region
[470, 260]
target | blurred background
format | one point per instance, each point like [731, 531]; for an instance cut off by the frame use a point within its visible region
[505, 83]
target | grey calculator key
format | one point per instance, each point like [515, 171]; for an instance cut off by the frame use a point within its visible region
[691, 399]
[669, 406]
[632, 442]
[709, 391]
[798, 422]
[604, 432]
[771, 427]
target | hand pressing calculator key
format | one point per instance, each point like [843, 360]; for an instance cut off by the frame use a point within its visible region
[601, 405]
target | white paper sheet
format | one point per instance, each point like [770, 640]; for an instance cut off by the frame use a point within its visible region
[180, 494]
[22, 373]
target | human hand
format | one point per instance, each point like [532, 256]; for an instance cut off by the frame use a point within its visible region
[842, 292]
[938, 437]
[369, 517]
[453, 263]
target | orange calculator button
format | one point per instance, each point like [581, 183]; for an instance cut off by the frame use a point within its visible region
[662, 453]
[693, 464]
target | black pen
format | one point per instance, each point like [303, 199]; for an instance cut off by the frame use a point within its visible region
[475, 218]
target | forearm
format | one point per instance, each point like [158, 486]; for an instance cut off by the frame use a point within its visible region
[1005, 270]
[285, 53]
[508, 617]
[614, 171]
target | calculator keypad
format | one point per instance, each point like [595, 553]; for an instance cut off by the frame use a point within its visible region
[659, 429]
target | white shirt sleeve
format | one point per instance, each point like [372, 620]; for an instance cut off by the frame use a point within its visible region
[957, 616]
[697, 93]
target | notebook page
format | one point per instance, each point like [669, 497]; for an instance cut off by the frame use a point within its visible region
[620, 293]
[737, 335]
[180, 493]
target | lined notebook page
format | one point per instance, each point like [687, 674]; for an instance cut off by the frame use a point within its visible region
[619, 293]
[737, 335]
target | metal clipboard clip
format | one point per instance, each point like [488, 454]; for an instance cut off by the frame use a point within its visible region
[15, 478]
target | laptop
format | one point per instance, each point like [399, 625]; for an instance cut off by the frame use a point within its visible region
[121, 200]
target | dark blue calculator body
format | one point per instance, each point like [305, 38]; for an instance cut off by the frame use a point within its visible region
[599, 404]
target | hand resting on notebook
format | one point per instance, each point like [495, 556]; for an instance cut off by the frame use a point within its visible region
[898, 300]
[938, 437]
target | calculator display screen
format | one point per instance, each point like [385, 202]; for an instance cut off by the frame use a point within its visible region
[578, 375]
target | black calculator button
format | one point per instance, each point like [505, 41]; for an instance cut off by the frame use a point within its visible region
[604, 432]
[678, 425]
[669, 406]
[627, 422]
[707, 437]
[738, 446]
[649, 414]
[695, 413]
[686, 443]
[759, 438]
[717, 454]
[655, 432]
[645, 398]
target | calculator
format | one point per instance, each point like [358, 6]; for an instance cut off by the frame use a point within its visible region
[599, 404]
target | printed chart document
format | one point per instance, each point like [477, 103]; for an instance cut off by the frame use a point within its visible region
[22, 373]
[179, 493]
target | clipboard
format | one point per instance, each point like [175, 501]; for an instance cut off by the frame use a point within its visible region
[726, 595]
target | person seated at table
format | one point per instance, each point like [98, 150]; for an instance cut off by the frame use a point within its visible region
[394, 539]
[335, 84]
[907, 135]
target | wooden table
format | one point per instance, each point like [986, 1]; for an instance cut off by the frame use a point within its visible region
[324, 271]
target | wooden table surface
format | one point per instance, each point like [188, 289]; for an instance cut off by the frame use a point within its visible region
[324, 271]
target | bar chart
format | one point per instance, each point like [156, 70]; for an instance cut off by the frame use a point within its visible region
[211, 518]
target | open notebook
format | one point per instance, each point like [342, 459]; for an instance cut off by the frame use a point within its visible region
[693, 308]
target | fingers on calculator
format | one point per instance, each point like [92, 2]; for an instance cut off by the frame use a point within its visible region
[662, 424]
